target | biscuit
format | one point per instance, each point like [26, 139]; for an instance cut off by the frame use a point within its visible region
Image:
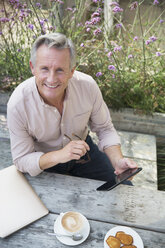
[113, 242]
[129, 246]
[125, 239]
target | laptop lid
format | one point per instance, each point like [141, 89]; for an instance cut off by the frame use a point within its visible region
[19, 204]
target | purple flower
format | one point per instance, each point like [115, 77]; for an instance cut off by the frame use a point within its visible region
[28, 11]
[114, 3]
[4, 19]
[87, 23]
[135, 38]
[95, 14]
[152, 38]
[19, 50]
[161, 21]
[109, 54]
[58, 1]
[97, 31]
[155, 2]
[113, 75]
[134, 5]
[79, 24]
[69, 9]
[148, 42]
[117, 9]
[30, 26]
[0, 32]
[95, 1]
[42, 22]
[21, 18]
[50, 28]
[82, 45]
[158, 54]
[99, 74]
[88, 29]
[130, 56]
[111, 67]
[13, 1]
[24, 5]
[117, 48]
[99, 10]
[39, 5]
[119, 25]
[95, 20]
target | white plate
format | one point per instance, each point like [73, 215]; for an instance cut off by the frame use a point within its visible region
[68, 240]
[137, 241]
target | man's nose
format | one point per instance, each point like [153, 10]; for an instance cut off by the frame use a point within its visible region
[52, 77]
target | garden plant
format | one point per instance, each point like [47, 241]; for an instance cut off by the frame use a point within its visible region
[129, 68]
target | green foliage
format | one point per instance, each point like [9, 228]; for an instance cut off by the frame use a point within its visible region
[129, 66]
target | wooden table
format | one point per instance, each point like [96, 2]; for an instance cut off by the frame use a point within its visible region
[141, 209]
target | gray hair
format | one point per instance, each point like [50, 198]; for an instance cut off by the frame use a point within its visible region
[56, 40]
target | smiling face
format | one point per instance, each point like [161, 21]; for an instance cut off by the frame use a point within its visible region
[52, 72]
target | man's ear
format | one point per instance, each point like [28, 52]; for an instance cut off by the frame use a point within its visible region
[32, 68]
[72, 71]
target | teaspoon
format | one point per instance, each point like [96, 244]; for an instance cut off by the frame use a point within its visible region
[75, 237]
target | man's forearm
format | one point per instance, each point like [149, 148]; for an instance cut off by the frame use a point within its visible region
[117, 159]
[73, 150]
[114, 154]
[48, 160]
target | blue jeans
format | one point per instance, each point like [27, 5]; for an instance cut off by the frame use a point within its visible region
[99, 167]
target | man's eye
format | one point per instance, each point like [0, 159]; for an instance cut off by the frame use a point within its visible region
[44, 69]
[59, 70]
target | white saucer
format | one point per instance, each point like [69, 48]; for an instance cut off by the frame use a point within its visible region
[137, 239]
[68, 240]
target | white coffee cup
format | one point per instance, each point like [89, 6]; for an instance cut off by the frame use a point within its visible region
[72, 222]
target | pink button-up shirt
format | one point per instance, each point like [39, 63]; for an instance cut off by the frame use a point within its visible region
[36, 128]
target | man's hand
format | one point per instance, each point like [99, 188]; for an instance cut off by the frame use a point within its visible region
[124, 164]
[73, 150]
[119, 163]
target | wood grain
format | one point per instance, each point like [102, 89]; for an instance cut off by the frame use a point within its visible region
[35, 236]
[124, 205]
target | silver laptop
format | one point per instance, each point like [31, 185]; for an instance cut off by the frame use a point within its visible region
[19, 204]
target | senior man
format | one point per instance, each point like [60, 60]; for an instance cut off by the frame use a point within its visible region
[50, 113]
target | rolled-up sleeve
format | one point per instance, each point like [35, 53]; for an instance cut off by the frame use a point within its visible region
[101, 123]
[22, 144]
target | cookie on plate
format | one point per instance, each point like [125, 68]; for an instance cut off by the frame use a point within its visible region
[113, 242]
[125, 239]
[129, 246]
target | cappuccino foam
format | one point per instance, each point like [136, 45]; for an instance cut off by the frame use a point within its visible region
[72, 221]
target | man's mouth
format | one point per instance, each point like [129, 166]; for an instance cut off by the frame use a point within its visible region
[52, 86]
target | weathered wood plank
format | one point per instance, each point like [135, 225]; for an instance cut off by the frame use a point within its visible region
[124, 205]
[35, 236]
